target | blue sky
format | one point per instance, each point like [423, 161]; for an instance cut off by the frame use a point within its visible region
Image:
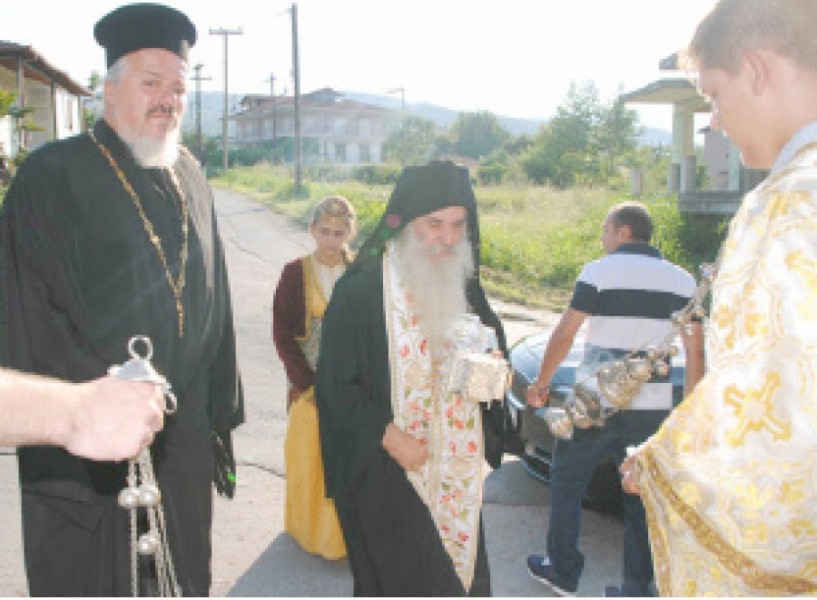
[510, 57]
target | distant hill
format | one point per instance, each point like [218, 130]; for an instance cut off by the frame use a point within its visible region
[212, 108]
[655, 137]
[443, 116]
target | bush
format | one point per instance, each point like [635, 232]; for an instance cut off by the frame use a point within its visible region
[491, 174]
[377, 174]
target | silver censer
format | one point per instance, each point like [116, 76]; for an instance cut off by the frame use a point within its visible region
[476, 373]
[619, 381]
[142, 491]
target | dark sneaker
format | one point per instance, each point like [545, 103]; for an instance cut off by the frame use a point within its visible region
[541, 570]
[612, 591]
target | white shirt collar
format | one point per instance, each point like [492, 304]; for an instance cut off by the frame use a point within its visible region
[805, 136]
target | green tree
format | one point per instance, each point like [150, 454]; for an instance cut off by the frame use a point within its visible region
[20, 119]
[211, 153]
[477, 134]
[503, 165]
[584, 143]
[412, 142]
[615, 139]
[89, 117]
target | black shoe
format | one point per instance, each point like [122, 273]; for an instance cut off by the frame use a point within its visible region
[612, 591]
[541, 570]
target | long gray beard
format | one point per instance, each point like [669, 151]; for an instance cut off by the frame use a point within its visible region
[436, 288]
[155, 153]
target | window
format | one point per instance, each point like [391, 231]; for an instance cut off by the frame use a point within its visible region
[340, 153]
[364, 153]
[69, 113]
[364, 128]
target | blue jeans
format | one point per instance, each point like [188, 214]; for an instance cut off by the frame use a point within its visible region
[573, 464]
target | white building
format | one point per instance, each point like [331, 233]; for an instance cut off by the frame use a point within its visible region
[337, 130]
[55, 98]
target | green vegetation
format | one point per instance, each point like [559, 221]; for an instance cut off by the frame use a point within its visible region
[534, 239]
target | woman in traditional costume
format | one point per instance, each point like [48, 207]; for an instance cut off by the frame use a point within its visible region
[301, 298]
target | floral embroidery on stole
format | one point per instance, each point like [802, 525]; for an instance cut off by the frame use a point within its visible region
[450, 483]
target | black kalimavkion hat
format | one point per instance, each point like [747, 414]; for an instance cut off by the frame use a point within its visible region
[422, 190]
[138, 26]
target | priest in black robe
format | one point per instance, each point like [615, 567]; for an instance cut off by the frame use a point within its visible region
[109, 235]
[410, 530]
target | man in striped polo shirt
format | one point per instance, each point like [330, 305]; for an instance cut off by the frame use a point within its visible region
[628, 297]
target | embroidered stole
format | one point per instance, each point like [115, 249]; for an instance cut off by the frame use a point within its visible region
[450, 483]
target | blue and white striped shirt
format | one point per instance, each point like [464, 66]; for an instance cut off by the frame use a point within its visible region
[630, 295]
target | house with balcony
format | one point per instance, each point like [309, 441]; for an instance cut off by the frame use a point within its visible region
[55, 98]
[727, 179]
[334, 129]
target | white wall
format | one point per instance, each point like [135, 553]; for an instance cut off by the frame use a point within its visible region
[69, 114]
[6, 140]
[38, 97]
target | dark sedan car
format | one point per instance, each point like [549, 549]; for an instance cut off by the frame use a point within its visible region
[604, 493]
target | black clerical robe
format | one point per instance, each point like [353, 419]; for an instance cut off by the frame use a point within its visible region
[394, 546]
[80, 279]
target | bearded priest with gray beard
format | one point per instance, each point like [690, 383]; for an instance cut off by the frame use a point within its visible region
[403, 457]
[108, 235]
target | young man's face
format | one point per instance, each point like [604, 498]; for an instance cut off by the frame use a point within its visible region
[739, 112]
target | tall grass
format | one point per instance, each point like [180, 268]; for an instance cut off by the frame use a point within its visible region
[534, 239]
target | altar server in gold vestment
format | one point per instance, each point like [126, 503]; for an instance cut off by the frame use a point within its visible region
[301, 298]
[729, 479]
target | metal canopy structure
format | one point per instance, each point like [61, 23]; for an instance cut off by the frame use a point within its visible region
[676, 92]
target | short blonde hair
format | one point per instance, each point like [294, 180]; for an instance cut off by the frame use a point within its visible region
[735, 27]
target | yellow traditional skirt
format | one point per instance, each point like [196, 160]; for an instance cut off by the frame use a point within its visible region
[310, 516]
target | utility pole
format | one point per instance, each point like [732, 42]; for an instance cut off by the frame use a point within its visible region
[225, 33]
[296, 75]
[274, 115]
[198, 79]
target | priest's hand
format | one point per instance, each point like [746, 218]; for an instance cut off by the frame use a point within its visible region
[405, 449]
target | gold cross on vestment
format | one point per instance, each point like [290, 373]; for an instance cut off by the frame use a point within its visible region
[753, 409]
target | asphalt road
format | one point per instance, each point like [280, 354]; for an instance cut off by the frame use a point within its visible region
[252, 556]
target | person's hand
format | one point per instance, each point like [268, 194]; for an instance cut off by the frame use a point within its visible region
[537, 395]
[114, 419]
[406, 450]
[629, 475]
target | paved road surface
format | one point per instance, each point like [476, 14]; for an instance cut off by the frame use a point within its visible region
[252, 556]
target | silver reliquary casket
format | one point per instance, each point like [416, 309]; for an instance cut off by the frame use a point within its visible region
[476, 372]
